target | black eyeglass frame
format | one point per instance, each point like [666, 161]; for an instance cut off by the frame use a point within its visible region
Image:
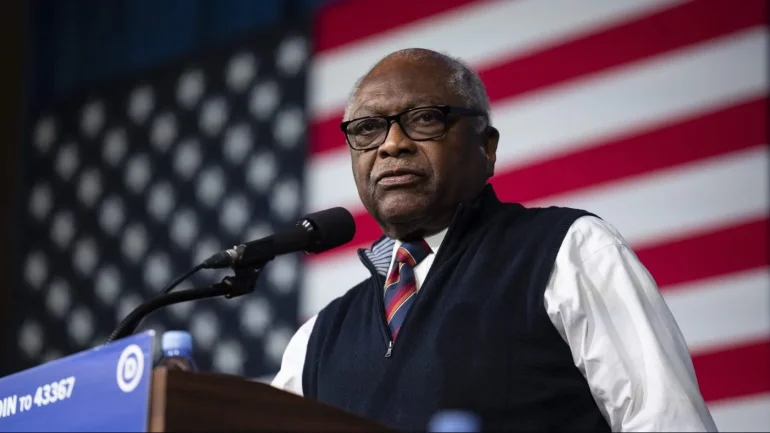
[446, 110]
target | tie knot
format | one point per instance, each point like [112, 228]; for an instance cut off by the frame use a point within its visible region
[413, 253]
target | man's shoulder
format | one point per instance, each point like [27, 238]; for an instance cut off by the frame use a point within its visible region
[583, 223]
[511, 213]
[589, 234]
[584, 230]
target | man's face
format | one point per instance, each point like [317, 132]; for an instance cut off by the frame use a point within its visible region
[410, 185]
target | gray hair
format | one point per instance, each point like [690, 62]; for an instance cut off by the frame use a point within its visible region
[463, 80]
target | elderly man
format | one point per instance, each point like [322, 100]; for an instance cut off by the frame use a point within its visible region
[534, 319]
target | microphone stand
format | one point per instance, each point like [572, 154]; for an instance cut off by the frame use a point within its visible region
[242, 283]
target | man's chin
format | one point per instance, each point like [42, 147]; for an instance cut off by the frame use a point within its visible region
[401, 208]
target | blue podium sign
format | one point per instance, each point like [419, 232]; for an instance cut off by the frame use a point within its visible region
[102, 389]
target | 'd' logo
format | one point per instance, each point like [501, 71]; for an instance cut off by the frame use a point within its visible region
[130, 368]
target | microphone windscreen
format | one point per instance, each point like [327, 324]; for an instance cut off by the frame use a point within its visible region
[332, 228]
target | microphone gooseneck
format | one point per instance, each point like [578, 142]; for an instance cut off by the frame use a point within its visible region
[241, 283]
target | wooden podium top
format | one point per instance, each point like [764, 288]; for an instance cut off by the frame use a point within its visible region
[207, 401]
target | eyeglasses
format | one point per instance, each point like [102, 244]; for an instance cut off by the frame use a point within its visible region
[419, 124]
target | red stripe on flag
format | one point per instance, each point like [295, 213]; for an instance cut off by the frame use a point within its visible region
[674, 28]
[656, 34]
[734, 372]
[720, 252]
[349, 21]
[735, 128]
[727, 130]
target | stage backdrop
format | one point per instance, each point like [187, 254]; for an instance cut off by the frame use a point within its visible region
[130, 186]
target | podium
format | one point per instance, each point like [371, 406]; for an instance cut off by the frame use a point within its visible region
[183, 401]
[115, 388]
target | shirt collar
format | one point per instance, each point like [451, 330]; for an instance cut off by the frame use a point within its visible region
[434, 241]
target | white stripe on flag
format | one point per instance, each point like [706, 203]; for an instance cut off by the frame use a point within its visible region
[732, 308]
[746, 414]
[684, 199]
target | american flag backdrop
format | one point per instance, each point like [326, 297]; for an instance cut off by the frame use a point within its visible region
[129, 186]
[650, 113]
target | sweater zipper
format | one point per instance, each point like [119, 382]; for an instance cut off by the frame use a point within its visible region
[380, 301]
[381, 298]
[445, 249]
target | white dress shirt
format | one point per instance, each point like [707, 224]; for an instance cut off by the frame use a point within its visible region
[623, 337]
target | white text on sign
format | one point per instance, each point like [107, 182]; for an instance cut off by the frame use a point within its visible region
[49, 393]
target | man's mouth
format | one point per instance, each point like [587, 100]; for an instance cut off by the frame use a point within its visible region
[398, 177]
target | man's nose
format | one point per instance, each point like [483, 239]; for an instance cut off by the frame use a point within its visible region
[396, 142]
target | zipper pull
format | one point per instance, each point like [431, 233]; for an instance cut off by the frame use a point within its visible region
[390, 349]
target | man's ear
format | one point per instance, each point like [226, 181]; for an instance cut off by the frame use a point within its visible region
[491, 138]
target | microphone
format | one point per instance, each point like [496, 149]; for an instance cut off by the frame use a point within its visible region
[315, 233]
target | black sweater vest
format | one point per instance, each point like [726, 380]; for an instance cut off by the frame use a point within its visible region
[477, 337]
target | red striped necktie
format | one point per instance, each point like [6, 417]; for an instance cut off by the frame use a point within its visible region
[401, 287]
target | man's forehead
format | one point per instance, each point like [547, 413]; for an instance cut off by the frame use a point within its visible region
[386, 93]
[382, 101]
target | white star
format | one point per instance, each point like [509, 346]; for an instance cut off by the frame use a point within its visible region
[161, 200]
[190, 88]
[92, 118]
[67, 161]
[285, 199]
[138, 173]
[264, 99]
[58, 300]
[163, 131]
[85, 256]
[81, 326]
[45, 134]
[211, 186]
[241, 71]
[184, 227]
[107, 285]
[256, 315]
[205, 328]
[234, 214]
[41, 201]
[261, 171]
[140, 104]
[31, 338]
[282, 273]
[157, 271]
[187, 158]
[289, 127]
[292, 54]
[112, 215]
[229, 357]
[238, 139]
[213, 115]
[134, 243]
[276, 343]
[36, 269]
[115, 146]
[90, 187]
[63, 228]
